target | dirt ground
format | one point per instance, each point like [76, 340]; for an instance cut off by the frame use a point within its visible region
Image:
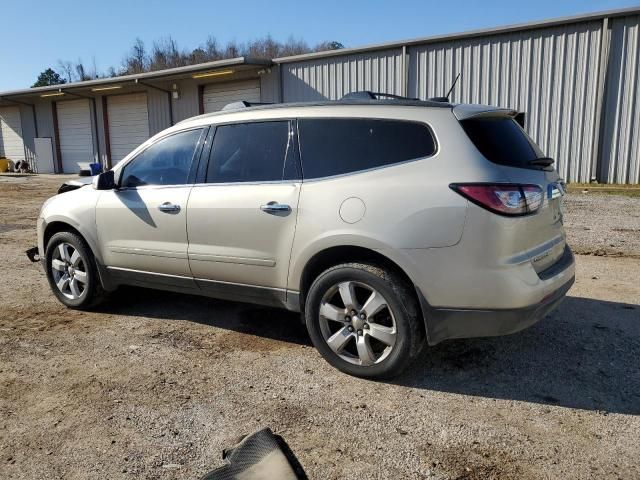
[155, 385]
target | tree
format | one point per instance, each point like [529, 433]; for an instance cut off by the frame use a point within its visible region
[137, 61]
[165, 53]
[324, 46]
[48, 77]
[67, 69]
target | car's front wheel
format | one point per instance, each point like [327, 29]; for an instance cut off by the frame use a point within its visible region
[72, 272]
[364, 320]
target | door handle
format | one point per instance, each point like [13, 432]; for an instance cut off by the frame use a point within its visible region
[169, 207]
[275, 207]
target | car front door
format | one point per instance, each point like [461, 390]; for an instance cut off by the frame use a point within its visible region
[142, 227]
[241, 219]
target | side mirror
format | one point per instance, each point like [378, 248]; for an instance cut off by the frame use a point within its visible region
[105, 181]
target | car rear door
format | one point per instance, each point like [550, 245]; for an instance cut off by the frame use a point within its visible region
[241, 219]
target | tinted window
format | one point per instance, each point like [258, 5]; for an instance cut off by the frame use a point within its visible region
[501, 140]
[166, 162]
[335, 146]
[249, 152]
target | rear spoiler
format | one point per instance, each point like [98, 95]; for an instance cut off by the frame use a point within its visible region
[467, 111]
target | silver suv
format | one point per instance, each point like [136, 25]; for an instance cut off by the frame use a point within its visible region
[390, 224]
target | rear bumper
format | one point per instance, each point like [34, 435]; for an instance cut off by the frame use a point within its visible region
[449, 323]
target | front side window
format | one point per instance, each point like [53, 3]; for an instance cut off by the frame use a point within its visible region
[250, 152]
[166, 162]
[334, 146]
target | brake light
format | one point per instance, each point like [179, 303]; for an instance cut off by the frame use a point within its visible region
[501, 198]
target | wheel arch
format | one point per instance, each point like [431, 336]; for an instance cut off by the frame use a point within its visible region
[61, 225]
[58, 226]
[336, 255]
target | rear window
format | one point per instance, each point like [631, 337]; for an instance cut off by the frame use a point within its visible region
[501, 140]
[332, 146]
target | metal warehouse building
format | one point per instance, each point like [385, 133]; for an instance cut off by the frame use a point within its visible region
[576, 79]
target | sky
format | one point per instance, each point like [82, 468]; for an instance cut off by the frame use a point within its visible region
[36, 34]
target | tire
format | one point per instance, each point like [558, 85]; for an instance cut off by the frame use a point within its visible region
[378, 345]
[75, 270]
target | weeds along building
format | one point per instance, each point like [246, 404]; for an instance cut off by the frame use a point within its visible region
[575, 78]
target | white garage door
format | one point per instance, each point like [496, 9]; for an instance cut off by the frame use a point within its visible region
[128, 123]
[76, 137]
[11, 145]
[217, 95]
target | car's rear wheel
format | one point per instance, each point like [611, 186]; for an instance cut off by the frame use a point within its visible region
[72, 272]
[364, 320]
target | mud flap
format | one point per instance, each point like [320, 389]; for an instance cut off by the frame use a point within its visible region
[259, 456]
[33, 254]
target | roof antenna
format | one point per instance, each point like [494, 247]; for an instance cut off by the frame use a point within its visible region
[452, 86]
[445, 99]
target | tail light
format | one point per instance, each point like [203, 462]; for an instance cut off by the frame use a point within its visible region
[502, 198]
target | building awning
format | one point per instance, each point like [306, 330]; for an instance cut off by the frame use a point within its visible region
[200, 72]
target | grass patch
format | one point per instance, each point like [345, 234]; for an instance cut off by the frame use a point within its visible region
[605, 189]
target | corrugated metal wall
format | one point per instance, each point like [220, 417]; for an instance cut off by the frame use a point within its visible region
[620, 152]
[28, 133]
[554, 73]
[332, 77]
[44, 117]
[159, 114]
[187, 104]
[551, 74]
[270, 85]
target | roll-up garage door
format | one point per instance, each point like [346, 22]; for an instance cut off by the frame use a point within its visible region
[11, 144]
[128, 123]
[76, 137]
[217, 95]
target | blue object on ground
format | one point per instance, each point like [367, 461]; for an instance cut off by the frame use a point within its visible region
[96, 168]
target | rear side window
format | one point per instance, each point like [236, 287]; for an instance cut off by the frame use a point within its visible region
[501, 140]
[250, 152]
[336, 146]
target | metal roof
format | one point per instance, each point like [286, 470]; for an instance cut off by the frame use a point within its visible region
[156, 75]
[462, 35]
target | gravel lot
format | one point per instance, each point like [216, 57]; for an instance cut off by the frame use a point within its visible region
[603, 224]
[155, 385]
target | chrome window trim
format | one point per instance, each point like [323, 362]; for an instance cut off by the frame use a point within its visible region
[372, 169]
[154, 187]
[266, 182]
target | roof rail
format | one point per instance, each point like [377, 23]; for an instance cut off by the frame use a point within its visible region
[367, 95]
[243, 104]
[440, 99]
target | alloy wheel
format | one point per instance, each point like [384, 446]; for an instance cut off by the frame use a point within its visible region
[357, 323]
[69, 271]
